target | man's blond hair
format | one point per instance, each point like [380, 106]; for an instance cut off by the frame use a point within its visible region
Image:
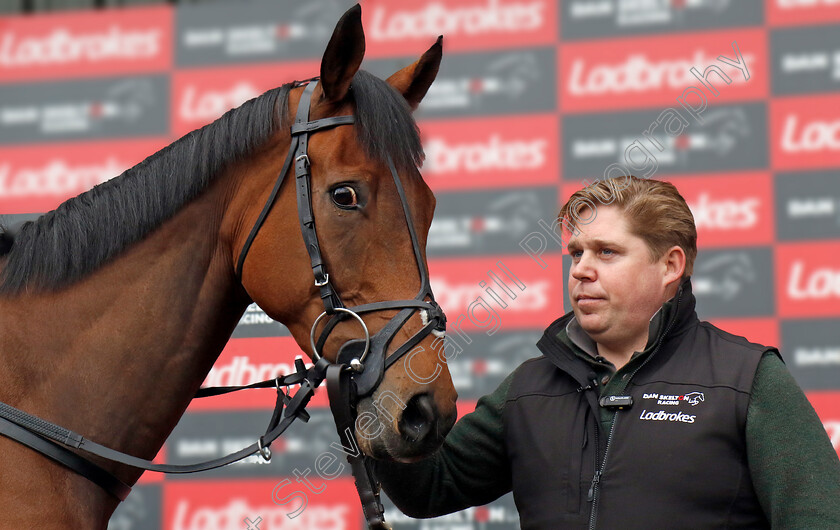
[655, 212]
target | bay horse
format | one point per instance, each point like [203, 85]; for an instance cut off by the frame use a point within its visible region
[114, 306]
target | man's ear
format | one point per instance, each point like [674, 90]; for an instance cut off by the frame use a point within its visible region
[674, 261]
[343, 55]
[414, 80]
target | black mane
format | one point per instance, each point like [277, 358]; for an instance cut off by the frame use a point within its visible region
[86, 231]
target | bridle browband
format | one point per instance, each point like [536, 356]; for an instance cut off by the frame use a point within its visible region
[354, 375]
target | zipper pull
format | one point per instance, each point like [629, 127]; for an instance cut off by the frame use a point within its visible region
[595, 480]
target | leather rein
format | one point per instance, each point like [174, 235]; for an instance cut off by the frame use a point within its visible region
[359, 368]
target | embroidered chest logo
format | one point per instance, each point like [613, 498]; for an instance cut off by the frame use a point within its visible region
[691, 398]
[694, 398]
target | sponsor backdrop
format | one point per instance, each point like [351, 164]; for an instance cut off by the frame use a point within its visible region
[736, 103]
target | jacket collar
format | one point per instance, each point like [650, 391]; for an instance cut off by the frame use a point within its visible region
[555, 344]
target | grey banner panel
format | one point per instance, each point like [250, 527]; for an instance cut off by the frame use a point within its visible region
[12, 6]
[727, 283]
[478, 367]
[81, 110]
[255, 323]
[254, 31]
[204, 436]
[811, 349]
[11, 221]
[807, 205]
[500, 514]
[142, 510]
[488, 222]
[731, 138]
[734, 283]
[485, 84]
[590, 19]
[804, 60]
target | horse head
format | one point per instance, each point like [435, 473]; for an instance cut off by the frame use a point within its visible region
[364, 214]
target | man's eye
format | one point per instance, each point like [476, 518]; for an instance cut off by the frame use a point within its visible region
[608, 251]
[345, 197]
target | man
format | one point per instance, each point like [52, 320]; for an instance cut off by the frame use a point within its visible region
[637, 415]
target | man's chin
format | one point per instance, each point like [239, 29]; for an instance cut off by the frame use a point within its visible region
[593, 324]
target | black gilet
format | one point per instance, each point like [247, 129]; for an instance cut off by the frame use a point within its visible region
[677, 457]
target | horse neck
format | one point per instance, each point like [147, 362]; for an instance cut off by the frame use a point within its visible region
[117, 356]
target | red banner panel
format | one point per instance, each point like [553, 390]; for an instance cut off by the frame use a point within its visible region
[827, 405]
[402, 28]
[805, 132]
[250, 360]
[656, 71]
[281, 504]
[492, 293]
[69, 45]
[465, 407]
[35, 179]
[808, 279]
[759, 330]
[796, 12]
[201, 96]
[479, 153]
[730, 209]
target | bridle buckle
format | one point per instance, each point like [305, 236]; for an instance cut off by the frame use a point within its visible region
[323, 282]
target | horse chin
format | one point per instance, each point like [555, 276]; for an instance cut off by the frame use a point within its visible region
[388, 437]
[393, 448]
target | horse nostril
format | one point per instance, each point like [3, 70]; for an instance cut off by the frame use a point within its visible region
[418, 418]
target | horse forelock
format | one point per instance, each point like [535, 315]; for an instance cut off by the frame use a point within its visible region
[385, 126]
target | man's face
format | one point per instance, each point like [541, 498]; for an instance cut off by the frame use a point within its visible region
[614, 287]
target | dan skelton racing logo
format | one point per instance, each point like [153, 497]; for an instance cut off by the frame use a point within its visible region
[692, 398]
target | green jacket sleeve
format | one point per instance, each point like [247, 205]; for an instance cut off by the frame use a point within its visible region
[470, 468]
[794, 468]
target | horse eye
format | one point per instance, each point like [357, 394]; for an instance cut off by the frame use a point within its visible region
[345, 197]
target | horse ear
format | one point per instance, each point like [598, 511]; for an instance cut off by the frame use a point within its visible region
[343, 55]
[414, 80]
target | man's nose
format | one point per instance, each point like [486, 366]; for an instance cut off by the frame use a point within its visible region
[584, 269]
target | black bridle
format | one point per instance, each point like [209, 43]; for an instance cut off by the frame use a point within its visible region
[359, 367]
[368, 366]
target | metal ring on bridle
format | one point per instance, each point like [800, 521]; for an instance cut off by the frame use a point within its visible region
[340, 310]
[265, 452]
